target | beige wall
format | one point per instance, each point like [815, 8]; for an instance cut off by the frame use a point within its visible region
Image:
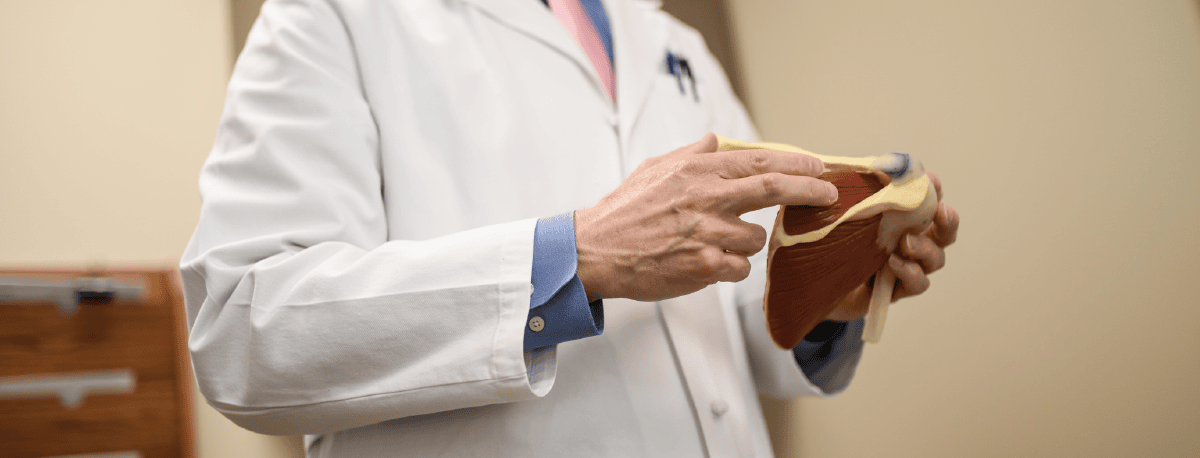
[1065, 132]
[107, 110]
[1068, 135]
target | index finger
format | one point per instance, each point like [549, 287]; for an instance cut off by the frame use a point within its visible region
[770, 189]
[750, 162]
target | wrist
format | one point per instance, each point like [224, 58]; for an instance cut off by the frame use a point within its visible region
[589, 265]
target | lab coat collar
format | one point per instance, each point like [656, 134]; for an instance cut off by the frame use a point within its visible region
[532, 18]
[639, 47]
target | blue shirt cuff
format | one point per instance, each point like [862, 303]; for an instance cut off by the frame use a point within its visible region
[559, 302]
[825, 345]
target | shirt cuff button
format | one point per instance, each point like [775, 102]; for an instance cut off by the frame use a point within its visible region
[536, 324]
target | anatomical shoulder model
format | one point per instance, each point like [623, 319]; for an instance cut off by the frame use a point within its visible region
[818, 254]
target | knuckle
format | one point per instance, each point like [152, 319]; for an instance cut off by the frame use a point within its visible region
[693, 165]
[914, 282]
[771, 185]
[705, 194]
[922, 247]
[906, 270]
[758, 159]
[698, 199]
[695, 267]
[811, 165]
[914, 269]
[650, 163]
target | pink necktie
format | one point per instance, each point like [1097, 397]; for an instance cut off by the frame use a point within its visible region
[572, 16]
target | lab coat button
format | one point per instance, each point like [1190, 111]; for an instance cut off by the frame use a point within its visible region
[531, 290]
[719, 408]
[536, 324]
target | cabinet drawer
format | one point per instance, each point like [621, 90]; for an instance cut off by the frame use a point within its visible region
[143, 338]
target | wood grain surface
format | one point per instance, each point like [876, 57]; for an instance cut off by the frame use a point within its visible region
[147, 337]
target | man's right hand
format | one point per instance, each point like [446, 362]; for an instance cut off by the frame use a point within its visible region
[673, 226]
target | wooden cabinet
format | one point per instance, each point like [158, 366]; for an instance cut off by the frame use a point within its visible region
[126, 352]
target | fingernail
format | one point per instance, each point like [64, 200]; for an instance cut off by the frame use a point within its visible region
[832, 192]
[910, 243]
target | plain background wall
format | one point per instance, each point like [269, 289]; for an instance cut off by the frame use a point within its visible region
[107, 110]
[1067, 134]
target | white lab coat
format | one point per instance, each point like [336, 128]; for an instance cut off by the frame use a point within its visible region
[361, 269]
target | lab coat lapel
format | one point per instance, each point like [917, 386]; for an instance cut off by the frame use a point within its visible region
[639, 49]
[533, 18]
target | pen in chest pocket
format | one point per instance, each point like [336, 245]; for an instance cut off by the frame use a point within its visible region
[680, 68]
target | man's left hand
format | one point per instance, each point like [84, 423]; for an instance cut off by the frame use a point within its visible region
[917, 255]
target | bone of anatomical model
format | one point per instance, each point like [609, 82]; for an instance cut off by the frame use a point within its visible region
[818, 254]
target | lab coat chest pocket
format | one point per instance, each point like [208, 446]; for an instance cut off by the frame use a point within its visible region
[679, 104]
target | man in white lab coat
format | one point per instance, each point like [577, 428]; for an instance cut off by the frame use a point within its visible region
[380, 201]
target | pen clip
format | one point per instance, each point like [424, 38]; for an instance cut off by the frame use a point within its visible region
[673, 67]
[686, 69]
[679, 68]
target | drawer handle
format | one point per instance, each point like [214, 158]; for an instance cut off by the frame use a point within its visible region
[67, 295]
[70, 387]
[128, 454]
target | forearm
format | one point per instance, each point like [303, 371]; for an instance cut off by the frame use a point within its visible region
[297, 342]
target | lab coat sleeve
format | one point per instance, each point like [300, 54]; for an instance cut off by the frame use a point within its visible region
[304, 318]
[776, 371]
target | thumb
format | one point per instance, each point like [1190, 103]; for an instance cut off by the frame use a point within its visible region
[707, 144]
